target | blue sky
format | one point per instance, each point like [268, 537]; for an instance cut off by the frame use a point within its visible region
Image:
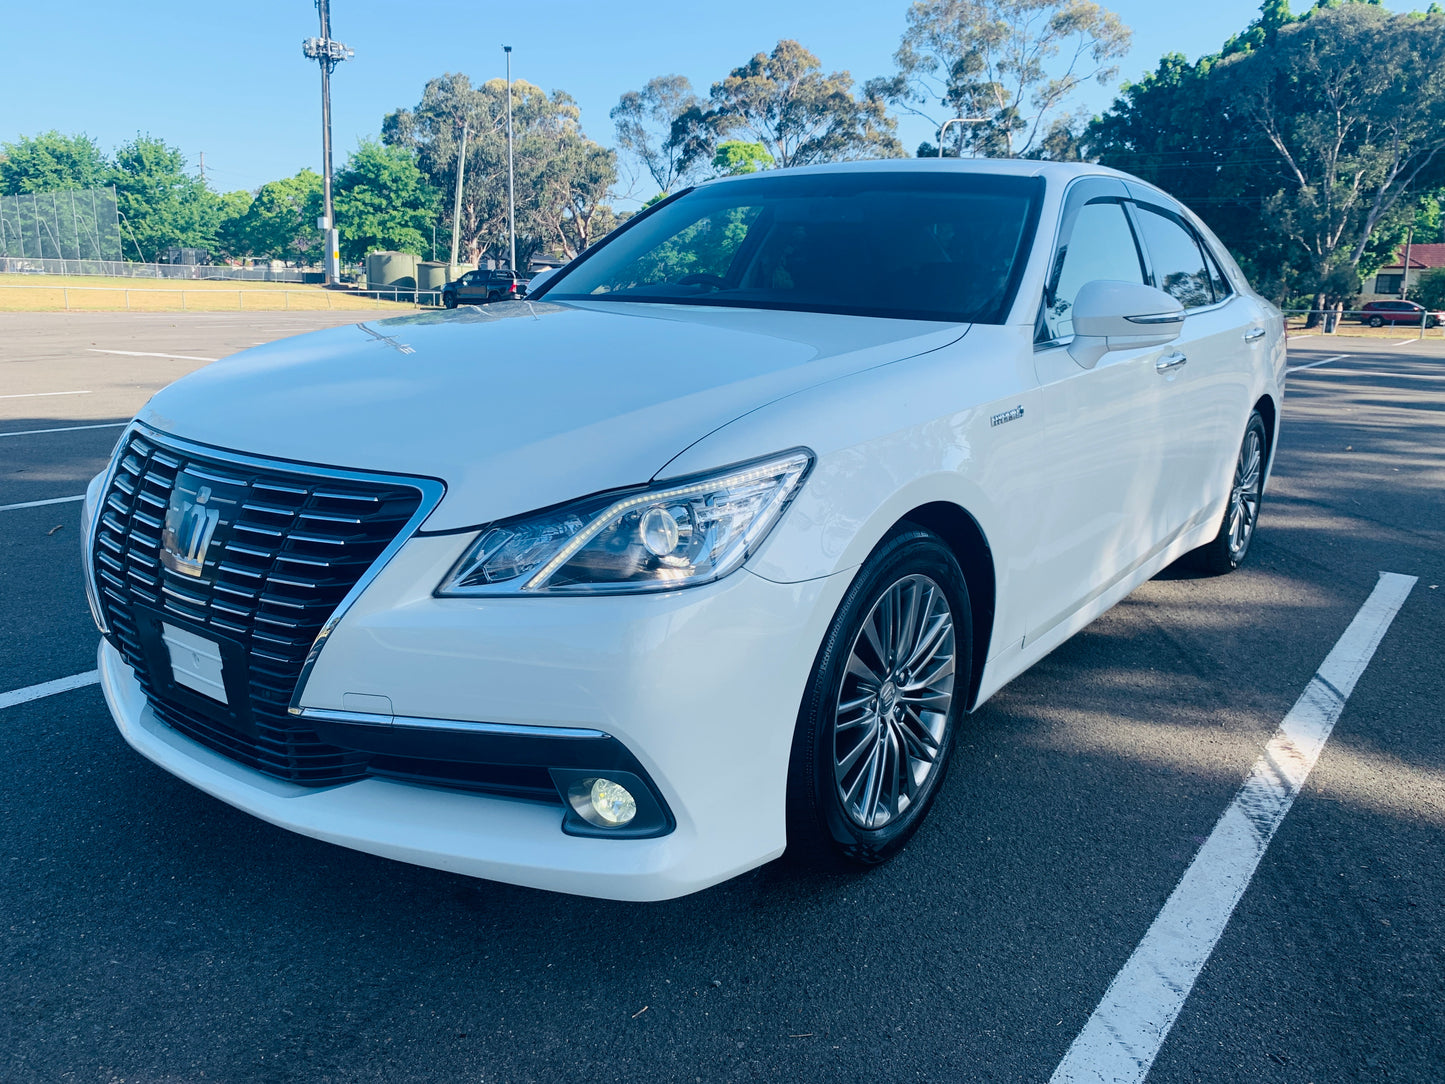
[229, 78]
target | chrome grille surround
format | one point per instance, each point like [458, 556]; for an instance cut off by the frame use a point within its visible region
[304, 544]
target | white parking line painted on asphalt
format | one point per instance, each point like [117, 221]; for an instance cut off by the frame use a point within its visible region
[1391, 376]
[40, 504]
[49, 688]
[149, 354]
[1405, 342]
[64, 429]
[1121, 1039]
[42, 394]
[1315, 364]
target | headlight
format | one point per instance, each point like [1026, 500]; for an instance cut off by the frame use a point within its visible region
[687, 532]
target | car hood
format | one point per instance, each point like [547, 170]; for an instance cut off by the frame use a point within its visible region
[522, 404]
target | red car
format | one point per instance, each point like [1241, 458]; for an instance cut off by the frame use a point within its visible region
[1379, 313]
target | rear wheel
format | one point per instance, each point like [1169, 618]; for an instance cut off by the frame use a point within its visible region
[1377, 321]
[1228, 550]
[494, 296]
[876, 727]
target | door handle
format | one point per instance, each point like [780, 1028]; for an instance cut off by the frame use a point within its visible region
[1169, 362]
[1253, 335]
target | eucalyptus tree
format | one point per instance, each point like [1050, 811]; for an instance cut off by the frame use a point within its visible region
[648, 129]
[559, 171]
[1006, 67]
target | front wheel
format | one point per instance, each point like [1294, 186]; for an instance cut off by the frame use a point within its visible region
[1377, 321]
[449, 300]
[889, 685]
[1231, 544]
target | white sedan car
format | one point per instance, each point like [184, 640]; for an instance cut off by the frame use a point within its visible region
[706, 550]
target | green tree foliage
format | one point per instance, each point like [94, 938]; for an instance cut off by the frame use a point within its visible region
[801, 116]
[52, 162]
[562, 177]
[648, 129]
[1304, 144]
[1430, 290]
[382, 201]
[1014, 62]
[734, 158]
[162, 204]
[231, 239]
[280, 224]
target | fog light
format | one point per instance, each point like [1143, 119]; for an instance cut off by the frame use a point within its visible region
[602, 802]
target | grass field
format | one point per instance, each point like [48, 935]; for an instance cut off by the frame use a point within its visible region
[86, 293]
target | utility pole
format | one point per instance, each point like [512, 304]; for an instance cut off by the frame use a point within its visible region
[328, 54]
[457, 203]
[511, 193]
[203, 167]
[1405, 278]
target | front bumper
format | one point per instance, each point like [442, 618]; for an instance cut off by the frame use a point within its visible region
[701, 686]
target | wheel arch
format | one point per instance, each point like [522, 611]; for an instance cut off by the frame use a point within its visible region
[1269, 412]
[970, 547]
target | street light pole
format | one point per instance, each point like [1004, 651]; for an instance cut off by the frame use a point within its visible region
[956, 120]
[511, 181]
[328, 54]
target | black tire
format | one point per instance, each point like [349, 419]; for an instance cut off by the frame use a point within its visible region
[449, 300]
[1231, 545]
[914, 569]
[1377, 321]
[494, 296]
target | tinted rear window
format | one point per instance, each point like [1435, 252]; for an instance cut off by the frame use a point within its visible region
[916, 246]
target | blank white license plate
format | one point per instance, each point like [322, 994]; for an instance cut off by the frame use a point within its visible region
[195, 662]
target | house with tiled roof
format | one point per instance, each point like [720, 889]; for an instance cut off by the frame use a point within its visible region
[1387, 281]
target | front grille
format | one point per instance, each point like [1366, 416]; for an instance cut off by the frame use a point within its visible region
[292, 545]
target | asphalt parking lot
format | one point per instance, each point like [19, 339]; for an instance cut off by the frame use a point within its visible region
[156, 935]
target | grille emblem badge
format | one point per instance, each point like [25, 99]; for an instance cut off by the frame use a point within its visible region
[190, 524]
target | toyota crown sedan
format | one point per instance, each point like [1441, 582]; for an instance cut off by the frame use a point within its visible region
[705, 551]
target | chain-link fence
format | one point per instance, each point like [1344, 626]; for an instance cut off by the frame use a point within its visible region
[68, 226]
[199, 272]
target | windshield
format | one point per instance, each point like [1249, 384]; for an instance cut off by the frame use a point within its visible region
[922, 246]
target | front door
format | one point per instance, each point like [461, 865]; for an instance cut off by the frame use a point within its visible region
[1097, 519]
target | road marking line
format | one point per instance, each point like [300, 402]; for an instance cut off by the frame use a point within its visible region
[1388, 376]
[1124, 1034]
[49, 688]
[40, 504]
[149, 354]
[1313, 364]
[1405, 342]
[42, 394]
[64, 429]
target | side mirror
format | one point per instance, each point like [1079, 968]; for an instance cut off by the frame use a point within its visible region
[1111, 315]
[539, 278]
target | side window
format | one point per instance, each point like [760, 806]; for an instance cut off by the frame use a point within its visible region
[1217, 279]
[1100, 246]
[1178, 262]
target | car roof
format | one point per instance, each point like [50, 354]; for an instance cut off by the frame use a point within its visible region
[1010, 167]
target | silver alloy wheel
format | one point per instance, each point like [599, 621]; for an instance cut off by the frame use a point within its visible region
[1244, 500]
[894, 702]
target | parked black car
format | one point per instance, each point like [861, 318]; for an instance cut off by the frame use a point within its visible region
[479, 287]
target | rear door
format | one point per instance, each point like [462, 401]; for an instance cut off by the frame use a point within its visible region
[1204, 379]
